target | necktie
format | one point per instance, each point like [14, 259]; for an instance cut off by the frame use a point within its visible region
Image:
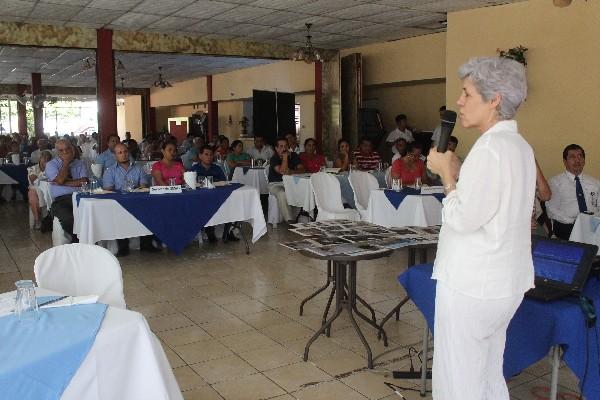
[580, 196]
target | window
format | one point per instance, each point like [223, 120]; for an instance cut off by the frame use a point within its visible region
[8, 117]
[297, 117]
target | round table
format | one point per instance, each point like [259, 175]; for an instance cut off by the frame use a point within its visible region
[344, 272]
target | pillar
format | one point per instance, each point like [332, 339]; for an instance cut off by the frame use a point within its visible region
[22, 112]
[38, 112]
[212, 110]
[105, 86]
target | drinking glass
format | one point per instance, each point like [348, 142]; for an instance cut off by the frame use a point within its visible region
[252, 163]
[93, 184]
[208, 182]
[129, 185]
[26, 306]
[85, 188]
[418, 183]
[199, 182]
[172, 182]
[396, 184]
[322, 169]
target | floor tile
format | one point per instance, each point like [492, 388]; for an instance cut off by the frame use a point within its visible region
[247, 341]
[293, 377]
[333, 390]
[270, 357]
[181, 336]
[187, 378]
[223, 369]
[202, 351]
[255, 386]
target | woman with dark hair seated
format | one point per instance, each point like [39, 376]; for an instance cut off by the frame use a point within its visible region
[222, 150]
[343, 158]
[168, 167]
[309, 158]
[237, 157]
[410, 167]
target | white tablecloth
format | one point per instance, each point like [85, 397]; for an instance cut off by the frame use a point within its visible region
[255, 177]
[99, 219]
[126, 361]
[582, 230]
[414, 210]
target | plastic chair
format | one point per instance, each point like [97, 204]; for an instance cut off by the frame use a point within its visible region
[81, 269]
[362, 183]
[274, 216]
[328, 198]
[59, 236]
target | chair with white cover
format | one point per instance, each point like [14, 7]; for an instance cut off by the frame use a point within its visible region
[274, 217]
[362, 183]
[328, 198]
[59, 236]
[81, 269]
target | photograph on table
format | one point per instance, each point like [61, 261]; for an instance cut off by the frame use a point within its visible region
[404, 231]
[329, 240]
[298, 245]
[308, 232]
[368, 248]
[364, 237]
[429, 230]
[325, 251]
[374, 229]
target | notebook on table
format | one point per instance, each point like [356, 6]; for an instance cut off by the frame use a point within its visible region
[561, 267]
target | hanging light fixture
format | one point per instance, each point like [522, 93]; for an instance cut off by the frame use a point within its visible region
[308, 53]
[161, 83]
[122, 90]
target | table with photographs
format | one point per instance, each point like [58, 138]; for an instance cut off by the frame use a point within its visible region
[343, 243]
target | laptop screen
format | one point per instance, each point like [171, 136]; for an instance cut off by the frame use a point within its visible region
[557, 261]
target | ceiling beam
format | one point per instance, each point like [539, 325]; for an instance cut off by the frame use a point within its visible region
[22, 34]
[9, 89]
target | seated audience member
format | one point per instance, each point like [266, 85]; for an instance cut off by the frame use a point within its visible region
[66, 174]
[222, 149]
[260, 151]
[310, 159]
[401, 131]
[365, 158]
[343, 158]
[107, 157]
[293, 144]
[207, 167]
[400, 146]
[282, 163]
[573, 192]
[118, 177]
[435, 137]
[410, 167]
[152, 149]
[36, 173]
[452, 143]
[191, 156]
[42, 144]
[237, 157]
[168, 168]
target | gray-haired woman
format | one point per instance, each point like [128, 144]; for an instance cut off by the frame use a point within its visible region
[483, 264]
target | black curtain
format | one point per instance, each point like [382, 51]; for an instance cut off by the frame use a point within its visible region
[272, 114]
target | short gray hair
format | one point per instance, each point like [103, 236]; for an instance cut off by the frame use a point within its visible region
[498, 76]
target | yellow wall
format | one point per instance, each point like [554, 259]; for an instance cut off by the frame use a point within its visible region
[129, 117]
[235, 109]
[412, 59]
[563, 63]
[419, 101]
[307, 116]
[186, 92]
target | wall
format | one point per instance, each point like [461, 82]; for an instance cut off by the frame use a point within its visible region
[186, 92]
[419, 101]
[129, 117]
[307, 116]
[563, 64]
[412, 59]
[235, 109]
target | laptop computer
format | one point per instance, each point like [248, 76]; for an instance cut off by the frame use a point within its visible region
[561, 267]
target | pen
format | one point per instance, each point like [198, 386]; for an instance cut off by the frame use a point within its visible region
[53, 301]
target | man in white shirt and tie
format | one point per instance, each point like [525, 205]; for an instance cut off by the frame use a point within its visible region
[401, 131]
[573, 192]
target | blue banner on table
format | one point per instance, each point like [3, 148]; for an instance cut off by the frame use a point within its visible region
[19, 174]
[396, 198]
[535, 328]
[175, 218]
[39, 358]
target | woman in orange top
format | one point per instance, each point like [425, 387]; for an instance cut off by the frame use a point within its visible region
[309, 158]
[411, 166]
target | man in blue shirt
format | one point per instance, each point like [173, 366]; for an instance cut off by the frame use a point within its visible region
[107, 157]
[66, 175]
[206, 167]
[115, 179]
[115, 176]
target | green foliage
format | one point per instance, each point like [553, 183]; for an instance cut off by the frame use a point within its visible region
[516, 53]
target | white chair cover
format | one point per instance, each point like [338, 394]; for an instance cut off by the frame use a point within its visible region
[274, 216]
[81, 269]
[328, 198]
[59, 237]
[362, 183]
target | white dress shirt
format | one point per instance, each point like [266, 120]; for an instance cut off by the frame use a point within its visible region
[484, 248]
[264, 154]
[396, 134]
[563, 206]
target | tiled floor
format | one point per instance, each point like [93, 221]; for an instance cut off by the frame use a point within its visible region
[230, 327]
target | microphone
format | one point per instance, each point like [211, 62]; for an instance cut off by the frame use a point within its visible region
[448, 121]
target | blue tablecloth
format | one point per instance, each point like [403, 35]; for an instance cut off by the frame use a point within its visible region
[396, 198]
[38, 359]
[535, 328]
[175, 218]
[19, 174]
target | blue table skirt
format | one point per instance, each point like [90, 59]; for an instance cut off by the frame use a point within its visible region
[19, 174]
[535, 328]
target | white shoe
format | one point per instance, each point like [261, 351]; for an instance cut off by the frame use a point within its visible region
[37, 225]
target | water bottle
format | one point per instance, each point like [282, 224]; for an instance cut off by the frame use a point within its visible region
[26, 306]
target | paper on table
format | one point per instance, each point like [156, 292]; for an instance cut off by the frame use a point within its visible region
[73, 300]
[7, 303]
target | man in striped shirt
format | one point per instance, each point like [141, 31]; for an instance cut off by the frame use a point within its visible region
[365, 158]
